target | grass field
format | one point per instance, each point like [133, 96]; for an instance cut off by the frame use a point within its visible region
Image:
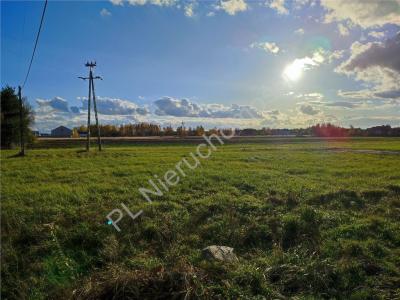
[307, 219]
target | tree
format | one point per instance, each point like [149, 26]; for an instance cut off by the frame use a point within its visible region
[75, 133]
[10, 125]
[199, 131]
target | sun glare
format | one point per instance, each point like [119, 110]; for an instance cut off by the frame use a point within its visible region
[293, 71]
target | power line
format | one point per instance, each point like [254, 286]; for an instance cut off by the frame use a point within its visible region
[36, 42]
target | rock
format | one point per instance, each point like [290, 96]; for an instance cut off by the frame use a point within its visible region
[221, 253]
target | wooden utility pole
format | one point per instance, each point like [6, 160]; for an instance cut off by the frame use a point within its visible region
[96, 117]
[88, 114]
[21, 125]
[92, 95]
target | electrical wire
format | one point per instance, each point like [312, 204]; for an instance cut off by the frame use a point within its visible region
[36, 42]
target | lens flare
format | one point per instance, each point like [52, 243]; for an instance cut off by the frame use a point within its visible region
[293, 71]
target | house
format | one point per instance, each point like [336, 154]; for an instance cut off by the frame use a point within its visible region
[82, 133]
[61, 131]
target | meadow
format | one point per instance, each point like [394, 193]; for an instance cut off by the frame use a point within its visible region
[307, 218]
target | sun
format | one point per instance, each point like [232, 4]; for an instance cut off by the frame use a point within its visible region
[293, 71]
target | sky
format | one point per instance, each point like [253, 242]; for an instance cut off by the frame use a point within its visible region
[232, 63]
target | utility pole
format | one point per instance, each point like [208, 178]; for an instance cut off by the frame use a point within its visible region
[92, 95]
[21, 126]
[183, 129]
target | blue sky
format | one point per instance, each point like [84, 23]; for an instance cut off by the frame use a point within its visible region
[217, 63]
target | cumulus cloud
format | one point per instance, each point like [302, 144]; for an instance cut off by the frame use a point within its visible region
[168, 106]
[279, 6]
[57, 104]
[176, 107]
[231, 7]
[368, 55]
[307, 109]
[105, 13]
[335, 55]
[46, 121]
[376, 63]
[52, 113]
[266, 46]
[362, 12]
[115, 106]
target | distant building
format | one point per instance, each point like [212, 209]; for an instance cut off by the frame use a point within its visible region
[82, 133]
[35, 133]
[61, 131]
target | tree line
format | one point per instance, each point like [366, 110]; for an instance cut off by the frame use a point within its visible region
[325, 130]
[141, 129]
[319, 130]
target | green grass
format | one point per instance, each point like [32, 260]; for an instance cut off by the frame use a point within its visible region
[305, 220]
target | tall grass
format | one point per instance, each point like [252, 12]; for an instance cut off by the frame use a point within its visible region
[304, 222]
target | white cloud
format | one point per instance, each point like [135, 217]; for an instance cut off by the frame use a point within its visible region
[172, 111]
[56, 104]
[144, 2]
[298, 4]
[377, 64]
[152, 2]
[362, 12]
[311, 96]
[377, 34]
[168, 106]
[366, 94]
[105, 13]
[117, 2]
[307, 109]
[115, 106]
[279, 6]
[299, 31]
[231, 7]
[266, 46]
[343, 30]
[45, 121]
[335, 55]
[189, 9]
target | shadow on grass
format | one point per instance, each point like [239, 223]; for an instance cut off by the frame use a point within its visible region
[19, 154]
